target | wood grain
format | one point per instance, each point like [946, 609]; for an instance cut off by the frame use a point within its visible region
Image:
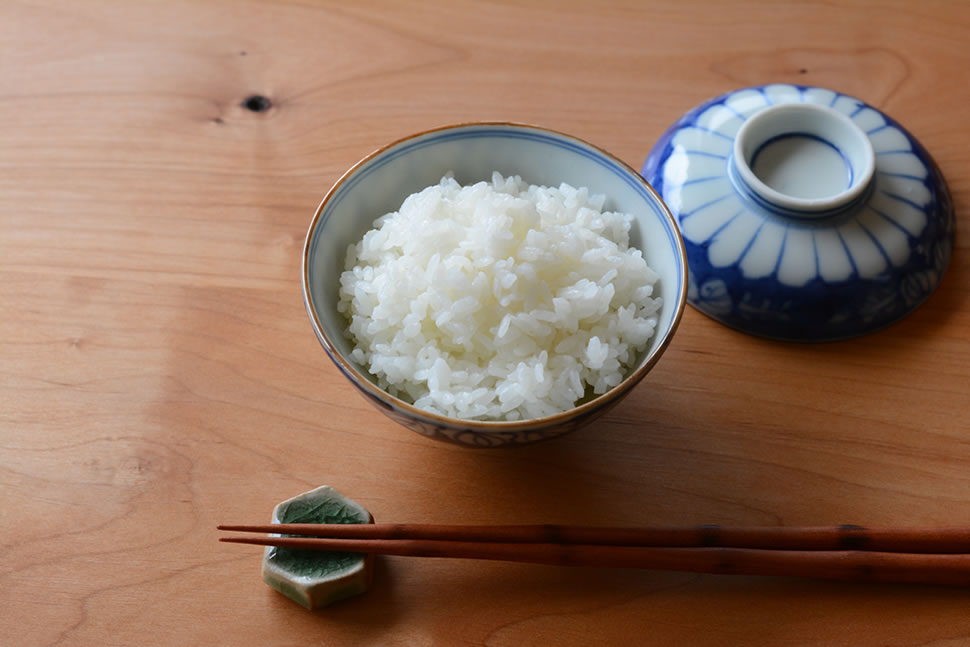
[158, 375]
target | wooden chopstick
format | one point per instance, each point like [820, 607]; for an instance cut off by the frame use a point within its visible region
[867, 566]
[951, 540]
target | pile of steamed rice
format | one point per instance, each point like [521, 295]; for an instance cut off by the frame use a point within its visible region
[498, 301]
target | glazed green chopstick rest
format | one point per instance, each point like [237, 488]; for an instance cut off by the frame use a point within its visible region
[311, 578]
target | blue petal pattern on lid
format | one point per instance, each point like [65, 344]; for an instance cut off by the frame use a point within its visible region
[803, 279]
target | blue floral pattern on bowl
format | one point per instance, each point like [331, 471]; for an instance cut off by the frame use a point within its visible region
[767, 272]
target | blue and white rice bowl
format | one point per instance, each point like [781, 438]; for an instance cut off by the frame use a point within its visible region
[379, 184]
[807, 214]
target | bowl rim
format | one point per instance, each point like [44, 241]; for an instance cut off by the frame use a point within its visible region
[604, 399]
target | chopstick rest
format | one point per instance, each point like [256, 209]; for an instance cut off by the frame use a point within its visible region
[317, 580]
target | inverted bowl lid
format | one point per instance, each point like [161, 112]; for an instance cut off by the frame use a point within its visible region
[807, 215]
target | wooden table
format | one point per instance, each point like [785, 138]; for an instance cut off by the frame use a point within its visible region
[158, 374]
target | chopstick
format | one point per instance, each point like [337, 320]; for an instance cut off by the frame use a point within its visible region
[846, 537]
[929, 556]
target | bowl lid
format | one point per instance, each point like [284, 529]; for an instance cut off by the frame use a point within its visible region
[807, 215]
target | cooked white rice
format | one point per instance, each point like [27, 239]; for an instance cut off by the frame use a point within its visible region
[498, 301]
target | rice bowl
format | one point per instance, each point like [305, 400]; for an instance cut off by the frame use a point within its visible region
[380, 183]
